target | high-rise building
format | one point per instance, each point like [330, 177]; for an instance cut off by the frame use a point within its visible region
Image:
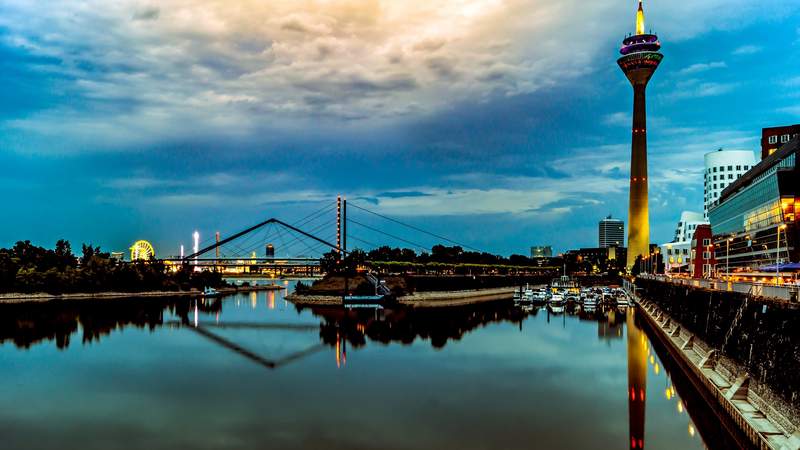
[611, 232]
[774, 137]
[755, 223]
[640, 59]
[722, 168]
[542, 251]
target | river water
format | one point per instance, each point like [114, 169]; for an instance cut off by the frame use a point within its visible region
[251, 371]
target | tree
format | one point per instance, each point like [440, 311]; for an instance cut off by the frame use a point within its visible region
[329, 263]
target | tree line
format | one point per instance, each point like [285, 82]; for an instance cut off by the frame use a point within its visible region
[441, 258]
[28, 268]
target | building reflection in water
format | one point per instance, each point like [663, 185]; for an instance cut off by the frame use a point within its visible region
[637, 381]
[610, 329]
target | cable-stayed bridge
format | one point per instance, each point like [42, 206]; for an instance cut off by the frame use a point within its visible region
[275, 247]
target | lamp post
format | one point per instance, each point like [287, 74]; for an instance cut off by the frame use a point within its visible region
[778, 254]
[727, 257]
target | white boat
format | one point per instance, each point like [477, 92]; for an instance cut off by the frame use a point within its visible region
[528, 295]
[211, 292]
[590, 303]
[565, 284]
[557, 300]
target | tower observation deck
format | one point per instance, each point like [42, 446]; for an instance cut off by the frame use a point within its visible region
[640, 59]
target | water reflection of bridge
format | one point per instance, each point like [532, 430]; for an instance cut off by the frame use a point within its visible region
[202, 329]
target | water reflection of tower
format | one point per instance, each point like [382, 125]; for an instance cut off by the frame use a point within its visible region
[637, 381]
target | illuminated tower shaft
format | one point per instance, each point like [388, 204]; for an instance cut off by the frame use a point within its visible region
[638, 199]
[640, 59]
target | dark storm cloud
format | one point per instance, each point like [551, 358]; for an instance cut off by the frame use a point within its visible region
[149, 13]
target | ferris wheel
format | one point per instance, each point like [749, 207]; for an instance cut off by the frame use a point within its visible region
[142, 250]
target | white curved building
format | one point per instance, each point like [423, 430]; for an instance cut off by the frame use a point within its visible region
[722, 167]
[678, 253]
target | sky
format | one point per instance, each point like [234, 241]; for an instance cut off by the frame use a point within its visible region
[500, 124]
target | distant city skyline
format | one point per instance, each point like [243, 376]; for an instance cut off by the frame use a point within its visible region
[460, 117]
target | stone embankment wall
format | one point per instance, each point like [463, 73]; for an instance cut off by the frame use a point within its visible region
[433, 283]
[761, 335]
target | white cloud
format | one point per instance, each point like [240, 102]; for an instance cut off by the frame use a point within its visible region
[617, 119]
[695, 88]
[747, 50]
[702, 67]
[792, 110]
[791, 82]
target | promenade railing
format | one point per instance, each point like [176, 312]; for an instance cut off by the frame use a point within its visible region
[782, 292]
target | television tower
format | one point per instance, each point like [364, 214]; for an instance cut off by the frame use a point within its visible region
[640, 59]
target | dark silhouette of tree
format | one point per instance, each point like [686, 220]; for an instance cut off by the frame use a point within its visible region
[29, 268]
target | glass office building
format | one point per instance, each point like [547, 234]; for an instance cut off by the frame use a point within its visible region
[754, 222]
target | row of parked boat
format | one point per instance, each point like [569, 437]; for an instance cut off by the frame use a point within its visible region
[557, 295]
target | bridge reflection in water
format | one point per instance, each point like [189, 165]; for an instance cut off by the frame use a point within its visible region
[345, 331]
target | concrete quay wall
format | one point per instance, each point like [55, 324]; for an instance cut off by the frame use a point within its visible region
[755, 336]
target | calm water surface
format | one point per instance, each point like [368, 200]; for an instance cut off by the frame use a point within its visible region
[251, 371]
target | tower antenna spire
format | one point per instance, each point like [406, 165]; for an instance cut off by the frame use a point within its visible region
[640, 19]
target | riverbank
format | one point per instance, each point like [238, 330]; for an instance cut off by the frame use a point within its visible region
[17, 298]
[420, 299]
[747, 402]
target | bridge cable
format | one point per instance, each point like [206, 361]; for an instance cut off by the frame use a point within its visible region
[415, 228]
[390, 235]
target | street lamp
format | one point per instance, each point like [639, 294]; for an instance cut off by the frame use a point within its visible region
[727, 257]
[778, 254]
